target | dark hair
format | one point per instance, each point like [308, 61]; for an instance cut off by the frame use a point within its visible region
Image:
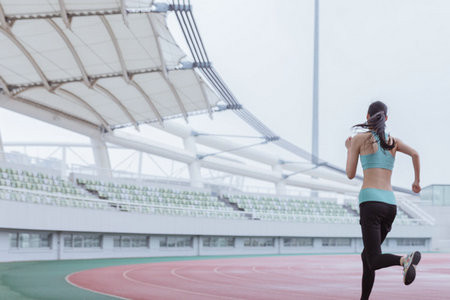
[376, 122]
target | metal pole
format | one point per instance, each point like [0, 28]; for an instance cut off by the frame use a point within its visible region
[315, 118]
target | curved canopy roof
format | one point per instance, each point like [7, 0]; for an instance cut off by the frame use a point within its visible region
[98, 61]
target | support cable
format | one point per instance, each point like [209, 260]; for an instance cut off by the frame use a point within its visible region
[195, 41]
[241, 113]
[285, 176]
[193, 27]
[228, 135]
[198, 32]
[217, 82]
[230, 150]
[187, 34]
[214, 74]
[201, 63]
[208, 71]
[288, 162]
[197, 53]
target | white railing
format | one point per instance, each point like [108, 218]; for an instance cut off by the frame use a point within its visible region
[129, 206]
[43, 193]
[111, 203]
[272, 190]
[308, 218]
[410, 207]
[17, 160]
[119, 174]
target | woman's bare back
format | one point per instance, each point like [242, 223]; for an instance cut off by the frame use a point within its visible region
[374, 177]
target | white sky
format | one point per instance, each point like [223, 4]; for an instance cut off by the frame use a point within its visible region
[397, 51]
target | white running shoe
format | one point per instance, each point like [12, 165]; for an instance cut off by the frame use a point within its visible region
[409, 267]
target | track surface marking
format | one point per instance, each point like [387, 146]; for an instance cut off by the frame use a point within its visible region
[321, 277]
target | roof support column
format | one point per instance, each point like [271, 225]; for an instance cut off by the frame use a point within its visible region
[101, 157]
[64, 162]
[2, 150]
[141, 160]
[194, 166]
[280, 186]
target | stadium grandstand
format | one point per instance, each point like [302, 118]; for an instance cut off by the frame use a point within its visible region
[113, 72]
[115, 66]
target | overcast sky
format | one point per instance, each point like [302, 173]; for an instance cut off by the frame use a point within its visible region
[397, 51]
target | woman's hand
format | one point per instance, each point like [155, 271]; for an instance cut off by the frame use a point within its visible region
[348, 142]
[416, 186]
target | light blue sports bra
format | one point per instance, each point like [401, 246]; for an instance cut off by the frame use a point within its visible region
[380, 159]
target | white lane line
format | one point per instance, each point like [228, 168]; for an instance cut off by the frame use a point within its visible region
[125, 275]
[174, 273]
[259, 288]
[67, 278]
[216, 270]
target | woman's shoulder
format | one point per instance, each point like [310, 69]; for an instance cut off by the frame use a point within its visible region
[362, 136]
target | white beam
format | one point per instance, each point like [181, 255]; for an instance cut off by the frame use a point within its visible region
[5, 86]
[251, 153]
[149, 146]
[270, 176]
[48, 115]
[3, 22]
[168, 151]
[36, 105]
[64, 12]
[64, 16]
[92, 77]
[123, 11]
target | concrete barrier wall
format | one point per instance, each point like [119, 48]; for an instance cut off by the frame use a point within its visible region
[60, 221]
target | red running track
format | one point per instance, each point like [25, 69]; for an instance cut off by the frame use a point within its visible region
[277, 277]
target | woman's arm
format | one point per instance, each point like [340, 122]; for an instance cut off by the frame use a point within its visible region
[402, 147]
[352, 156]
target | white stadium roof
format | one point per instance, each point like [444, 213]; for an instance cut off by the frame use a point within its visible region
[99, 65]
[98, 62]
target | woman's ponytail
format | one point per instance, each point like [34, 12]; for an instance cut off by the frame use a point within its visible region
[376, 123]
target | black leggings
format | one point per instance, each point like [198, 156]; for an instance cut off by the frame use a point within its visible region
[376, 220]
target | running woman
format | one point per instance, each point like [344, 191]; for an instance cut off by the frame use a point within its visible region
[377, 204]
